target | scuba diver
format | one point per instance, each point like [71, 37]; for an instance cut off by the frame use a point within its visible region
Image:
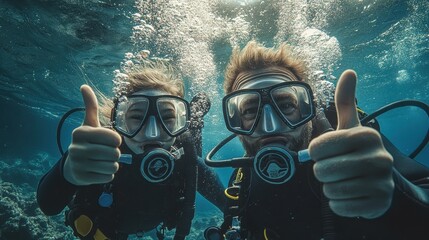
[142, 174]
[351, 183]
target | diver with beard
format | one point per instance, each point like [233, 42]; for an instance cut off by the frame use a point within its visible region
[142, 174]
[358, 186]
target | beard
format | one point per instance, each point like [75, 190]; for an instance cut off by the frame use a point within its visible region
[293, 143]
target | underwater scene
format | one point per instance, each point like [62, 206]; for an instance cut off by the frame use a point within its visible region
[49, 48]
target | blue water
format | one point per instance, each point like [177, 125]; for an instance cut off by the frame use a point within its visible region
[49, 48]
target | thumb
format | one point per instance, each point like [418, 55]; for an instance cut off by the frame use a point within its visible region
[345, 101]
[91, 106]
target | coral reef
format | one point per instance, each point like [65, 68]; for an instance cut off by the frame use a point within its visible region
[20, 217]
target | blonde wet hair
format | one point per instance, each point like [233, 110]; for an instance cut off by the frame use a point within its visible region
[254, 56]
[151, 75]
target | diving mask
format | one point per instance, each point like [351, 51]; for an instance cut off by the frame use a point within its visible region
[292, 101]
[268, 106]
[131, 113]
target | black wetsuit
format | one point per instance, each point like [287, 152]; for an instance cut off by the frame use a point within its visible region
[299, 210]
[139, 206]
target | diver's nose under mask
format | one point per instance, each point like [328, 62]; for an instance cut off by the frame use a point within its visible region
[270, 123]
[156, 164]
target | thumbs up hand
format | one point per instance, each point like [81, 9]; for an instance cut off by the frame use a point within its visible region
[94, 151]
[351, 162]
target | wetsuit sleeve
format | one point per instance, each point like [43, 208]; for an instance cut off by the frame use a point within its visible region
[53, 191]
[210, 186]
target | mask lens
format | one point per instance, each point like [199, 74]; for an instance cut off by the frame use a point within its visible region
[242, 110]
[293, 102]
[130, 114]
[173, 113]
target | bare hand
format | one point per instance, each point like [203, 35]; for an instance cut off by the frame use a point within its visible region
[351, 162]
[94, 152]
